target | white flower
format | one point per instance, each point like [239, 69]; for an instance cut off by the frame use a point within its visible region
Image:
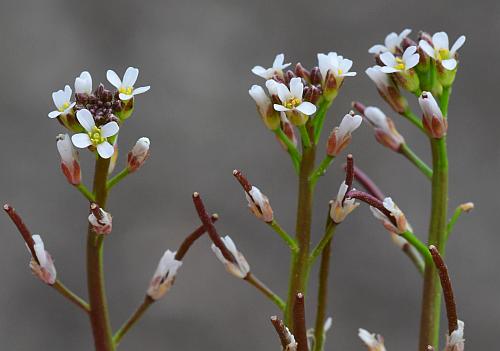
[391, 43]
[42, 265]
[272, 86]
[126, 86]
[292, 99]
[139, 154]
[397, 64]
[164, 276]
[277, 68]
[340, 136]
[374, 342]
[96, 136]
[240, 268]
[100, 220]
[399, 217]
[70, 164]
[62, 100]
[387, 89]
[385, 131]
[456, 341]
[433, 120]
[83, 83]
[340, 208]
[334, 64]
[259, 205]
[265, 108]
[440, 51]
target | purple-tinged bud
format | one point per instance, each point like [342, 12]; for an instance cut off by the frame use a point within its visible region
[70, 163]
[303, 73]
[433, 120]
[316, 77]
[42, 265]
[100, 220]
[387, 89]
[289, 75]
[164, 276]
[407, 42]
[340, 137]
[385, 130]
[138, 155]
[289, 131]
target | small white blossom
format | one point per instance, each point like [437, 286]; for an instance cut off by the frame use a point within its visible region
[401, 223]
[164, 276]
[440, 49]
[391, 43]
[96, 136]
[126, 86]
[340, 137]
[385, 131]
[433, 119]
[259, 205]
[139, 154]
[374, 342]
[456, 341]
[42, 265]
[240, 268]
[62, 100]
[83, 83]
[276, 69]
[340, 208]
[272, 86]
[101, 221]
[70, 164]
[265, 108]
[334, 65]
[292, 98]
[399, 64]
[387, 89]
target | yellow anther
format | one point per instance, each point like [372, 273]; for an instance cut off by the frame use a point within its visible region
[292, 103]
[64, 106]
[95, 136]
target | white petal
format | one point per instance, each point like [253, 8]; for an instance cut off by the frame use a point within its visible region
[440, 40]
[58, 97]
[85, 118]
[387, 69]
[458, 44]
[377, 49]
[391, 41]
[272, 86]
[125, 97]
[81, 140]
[449, 64]
[409, 52]
[278, 61]
[67, 93]
[388, 59]
[280, 108]
[428, 49]
[260, 71]
[348, 74]
[283, 92]
[412, 61]
[54, 114]
[306, 108]
[105, 150]
[404, 34]
[296, 87]
[141, 90]
[130, 77]
[113, 79]
[346, 65]
[109, 129]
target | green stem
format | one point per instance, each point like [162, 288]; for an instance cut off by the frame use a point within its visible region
[291, 148]
[292, 244]
[410, 116]
[134, 318]
[253, 280]
[117, 178]
[85, 192]
[321, 169]
[407, 152]
[444, 100]
[453, 220]
[99, 315]
[299, 264]
[71, 296]
[327, 237]
[431, 300]
[319, 119]
[304, 136]
[417, 244]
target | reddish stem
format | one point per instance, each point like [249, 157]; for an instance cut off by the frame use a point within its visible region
[372, 201]
[282, 332]
[243, 180]
[191, 238]
[299, 322]
[25, 233]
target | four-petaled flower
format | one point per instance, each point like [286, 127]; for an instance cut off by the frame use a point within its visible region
[333, 69]
[291, 102]
[42, 265]
[342, 206]
[62, 100]
[95, 136]
[164, 276]
[126, 86]
[440, 49]
[374, 342]
[391, 43]
[398, 216]
[83, 83]
[399, 64]
[240, 268]
[276, 69]
[387, 88]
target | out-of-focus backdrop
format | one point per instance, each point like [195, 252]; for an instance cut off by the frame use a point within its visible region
[197, 56]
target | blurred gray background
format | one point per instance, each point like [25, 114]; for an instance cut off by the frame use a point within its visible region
[197, 56]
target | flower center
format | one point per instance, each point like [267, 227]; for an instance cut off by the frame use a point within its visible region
[292, 103]
[400, 64]
[442, 54]
[126, 90]
[340, 72]
[95, 136]
[64, 106]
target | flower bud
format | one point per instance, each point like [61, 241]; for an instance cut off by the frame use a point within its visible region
[138, 155]
[387, 89]
[70, 163]
[83, 83]
[400, 226]
[303, 73]
[164, 276]
[340, 137]
[467, 207]
[374, 342]
[456, 341]
[42, 265]
[433, 120]
[265, 108]
[259, 205]
[240, 267]
[385, 130]
[341, 207]
[100, 220]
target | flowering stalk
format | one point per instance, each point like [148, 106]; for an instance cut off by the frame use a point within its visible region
[407, 152]
[466, 207]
